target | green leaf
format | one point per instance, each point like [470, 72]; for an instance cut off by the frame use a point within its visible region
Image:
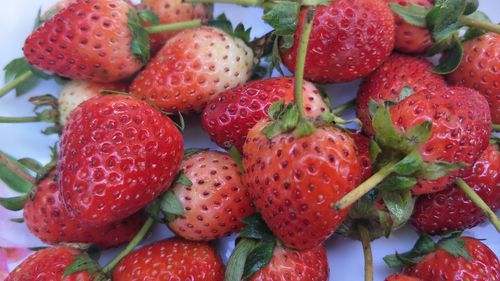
[456, 248]
[374, 150]
[405, 92]
[418, 135]
[452, 59]
[140, 37]
[83, 262]
[386, 133]
[153, 210]
[259, 257]
[149, 16]
[304, 128]
[442, 45]
[236, 263]
[276, 109]
[283, 18]
[11, 179]
[410, 164]
[422, 247]
[13, 203]
[182, 179]
[272, 130]
[411, 13]
[471, 6]
[473, 32]
[236, 155]
[222, 23]
[397, 183]
[171, 206]
[16, 68]
[444, 14]
[256, 228]
[400, 205]
[18, 220]
[438, 169]
[192, 151]
[373, 107]
[289, 118]
[31, 164]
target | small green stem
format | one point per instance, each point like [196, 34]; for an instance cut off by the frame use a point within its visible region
[16, 169]
[16, 82]
[173, 26]
[496, 127]
[19, 119]
[341, 108]
[367, 251]
[131, 245]
[479, 202]
[484, 25]
[365, 187]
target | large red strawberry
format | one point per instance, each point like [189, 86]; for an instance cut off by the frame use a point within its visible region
[411, 38]
[228, 118]
[479, 69]
[451, 209]
[215, 201]
[47, 218]
[170, 11]
[117, 154]
[87, 40]
[172, 259]
[296, 181]
[49, 264]
[386, 83]
[192, 68]
[401, 277]
[349, 39]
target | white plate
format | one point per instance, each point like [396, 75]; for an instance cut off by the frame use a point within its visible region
[345, 256]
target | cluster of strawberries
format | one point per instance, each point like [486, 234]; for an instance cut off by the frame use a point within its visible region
[292, 176]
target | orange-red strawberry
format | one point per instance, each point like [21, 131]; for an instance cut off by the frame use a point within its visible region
[170, 11]
[192, 68]
[228, 118]
[47, 218]
[215, 202]
[401, 277]
[386, 83]
[451, 209]
[411, 38]
[295, 182]
[479, 69]
[169, 260]
[87, 40]
[287, 264]
[118, 153]
[349, 39]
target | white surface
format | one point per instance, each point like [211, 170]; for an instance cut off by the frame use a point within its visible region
[345, 256]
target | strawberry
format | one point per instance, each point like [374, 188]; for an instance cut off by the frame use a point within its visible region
[411, 38]
[47, 218]
[184, 76]
[401, 277]
[170, 11]
[451, 209]
[95, 46]
[75, 92]
[385, 83]
[296, 181]
[215, 201]
[49, 264]
[228, 118]
[287, 264]
[479, 70]
[363, 145]
[349, 39]
[172, 259]
[117, 154]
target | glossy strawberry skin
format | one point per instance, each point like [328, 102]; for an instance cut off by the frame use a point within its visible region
[296, 182]
[386, 83]
[173, 259]
[461, 126]
[47, 218]
[401, 277]
[442, 266]
[451, 209]
[87, 40]
[228, 118]
[349, 39]
[48, 264]
[287, 264]
[363, 146]
[216, 202]
[192, 68]
[117, 154]
[480, 70]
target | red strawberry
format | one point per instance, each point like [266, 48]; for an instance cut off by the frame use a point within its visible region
[451, 209]
[296, 182]
[385, 83]
[172, 259]
[480, 70]
[47, 218]
[287, 264]
[349, 39]
[401, 277]
[117, 154]
[229, 117]
[193, 68]
[411, 38]
[170, 11]
[87, 40]
[217, 200]
[460, 128]
[363, 145]
[49, 264]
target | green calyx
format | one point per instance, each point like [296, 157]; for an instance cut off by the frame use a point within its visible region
[222, 23]
[84, 262]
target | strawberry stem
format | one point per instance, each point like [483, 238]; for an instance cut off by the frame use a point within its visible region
[341, 108]
[496, 127]
[367, 251]
[479, 202]
[484, 25]
[173, 26]
[19, 119]
[16, 169]
[365, 187]
[16, 82]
